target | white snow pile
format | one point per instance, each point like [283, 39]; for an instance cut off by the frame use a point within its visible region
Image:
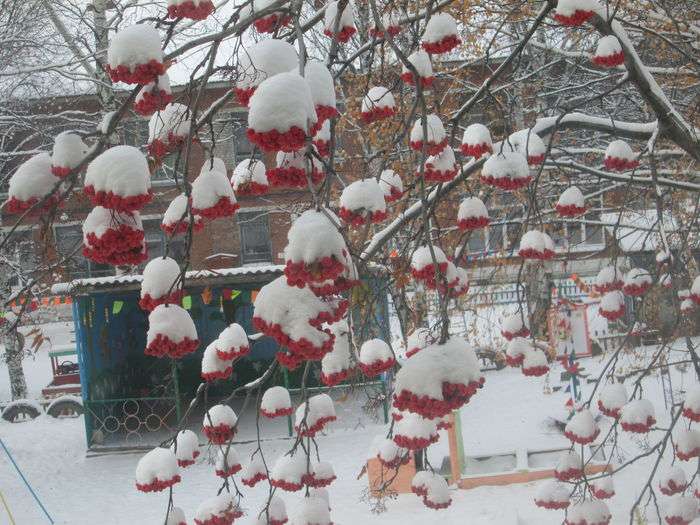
[232, 342]
[378, 97]
[121, 171]
[253, 471]
[612, 305]
[441, 167]
[387, 451]
[311, 239]
[31, 182]
[322, 89]
[681, 510]
[217, 509]
[672, 480]
[437, 493]
[472, 211]
[157, 470]
[249, 177]
[288, 472]
[608, 46]
[376, 356]
[227, 462]
[213, 367]
[695, 290]
[687, 444]
[422, 258]
[588, 512]
[516, 350]
[514, 325]
[435, 137]
[476, 140]
[535, 244]
[552, 495]
[603, 488]
[420, 60]
[312, 415]
[582, 427]
[68, 152]
[414, 432]
[169, 125]
[220, 415]
[176, 517]
[569, 466]
[263, 60]
[104, 224]
[312, 511]
[322, 474]
[438, 379]
[336, 365]
[691, 403]
[276, 402]
[612, 398]
[159, 285]
[391, 184]
[170, 322]
[535, 363]
[134, 45]
[609, 278]
[619, 156]
[276, 513]
[528, 143]
[362, 196]
[571, 202]
[176, 219]
[638, 416]
[153, 96]
[285, 313]
[346, 23]
[507, 170]
[212, 194]
[281, 103]
[439, 27]
[185, 448]
[637, 282]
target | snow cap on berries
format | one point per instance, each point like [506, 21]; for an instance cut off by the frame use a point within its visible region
[171, 332]
[119, 179]
[553, 495]
[213, 367]
[135, 48]
[391, 184]
[276, 402]
[588, 512]
[612, 398]
[186, 448]
[638, 416]
[30, 183]
[157, 470]
[476, 140]
[68, 152]
[160, 283]
[263, 60]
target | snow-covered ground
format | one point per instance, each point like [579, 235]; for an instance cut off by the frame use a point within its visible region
[510, 412]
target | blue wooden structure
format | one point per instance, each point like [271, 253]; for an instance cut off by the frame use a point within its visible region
[126, 394]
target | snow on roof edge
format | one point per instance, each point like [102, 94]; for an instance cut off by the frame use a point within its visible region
[116, 280]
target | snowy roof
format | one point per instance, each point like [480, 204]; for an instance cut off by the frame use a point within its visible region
[633, 233]
[133, 281]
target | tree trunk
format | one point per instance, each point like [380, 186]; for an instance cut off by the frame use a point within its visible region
[538, 279]
[13, 358]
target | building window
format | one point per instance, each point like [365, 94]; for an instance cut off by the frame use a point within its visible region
[157, 242]
[22, 258]
[255, 237]
[69, 246]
